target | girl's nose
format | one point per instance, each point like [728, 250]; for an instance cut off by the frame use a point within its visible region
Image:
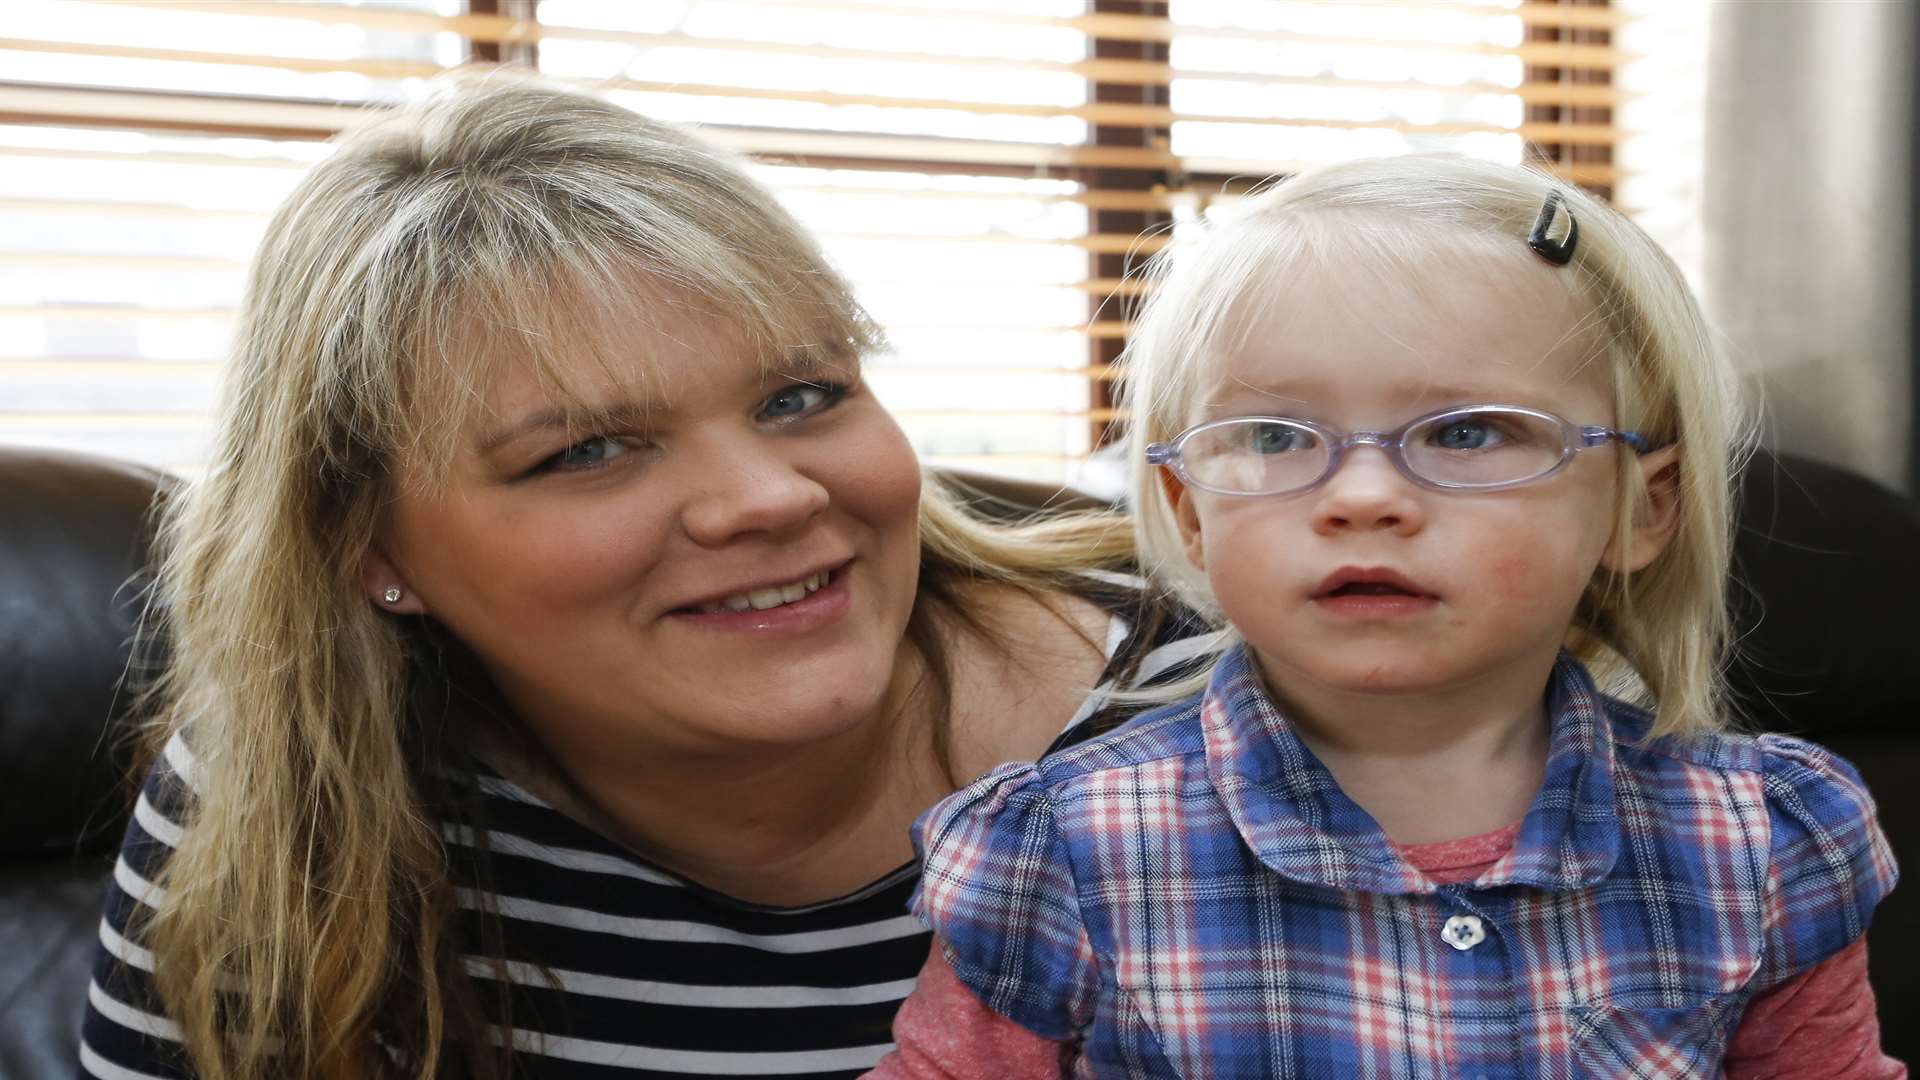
[752, 492]
[1367, 494]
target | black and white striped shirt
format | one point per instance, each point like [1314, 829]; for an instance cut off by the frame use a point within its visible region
[658, 977]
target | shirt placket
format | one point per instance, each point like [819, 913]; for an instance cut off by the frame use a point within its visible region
[1486, 983]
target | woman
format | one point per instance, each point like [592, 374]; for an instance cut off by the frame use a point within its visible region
[562, 637]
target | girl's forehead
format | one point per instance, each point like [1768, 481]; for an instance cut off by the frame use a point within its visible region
[1424, 291]
[1442, 329]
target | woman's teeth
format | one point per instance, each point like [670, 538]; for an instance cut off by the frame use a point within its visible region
[762, 599]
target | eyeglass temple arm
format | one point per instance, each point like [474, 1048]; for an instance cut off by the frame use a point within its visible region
[1159, 453]
[1594, 436]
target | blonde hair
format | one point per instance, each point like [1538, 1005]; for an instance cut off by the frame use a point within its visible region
[305, 928]
[1659, 634]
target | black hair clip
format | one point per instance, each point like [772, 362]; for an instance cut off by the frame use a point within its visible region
[1557, 252]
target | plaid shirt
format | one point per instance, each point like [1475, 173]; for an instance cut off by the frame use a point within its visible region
[1193, 896]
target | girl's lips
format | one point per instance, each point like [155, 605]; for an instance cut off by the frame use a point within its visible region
[1374, 605]
[1350, 580]
[817, 609]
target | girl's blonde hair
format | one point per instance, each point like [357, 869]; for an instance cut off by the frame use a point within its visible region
[1660, 633]
[306, 927]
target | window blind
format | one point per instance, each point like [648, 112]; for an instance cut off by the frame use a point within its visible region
[989, 173]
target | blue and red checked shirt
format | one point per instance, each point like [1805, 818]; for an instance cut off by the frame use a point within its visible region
[1193, 896]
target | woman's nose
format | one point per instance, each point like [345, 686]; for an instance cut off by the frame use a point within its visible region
[1367, 493]
[751, 492]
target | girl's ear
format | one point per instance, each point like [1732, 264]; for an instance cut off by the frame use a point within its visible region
[380, 579]
[1184, 514]
[1658, 516]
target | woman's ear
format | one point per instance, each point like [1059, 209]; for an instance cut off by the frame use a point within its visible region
[1180, 498]
[1656, 519]
[386, 586]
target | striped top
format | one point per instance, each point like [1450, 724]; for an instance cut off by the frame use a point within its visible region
[657, 976]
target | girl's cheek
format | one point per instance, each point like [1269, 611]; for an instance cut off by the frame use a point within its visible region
[1531, 579]
[1512, 571]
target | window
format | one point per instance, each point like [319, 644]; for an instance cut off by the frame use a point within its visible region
[988, 172]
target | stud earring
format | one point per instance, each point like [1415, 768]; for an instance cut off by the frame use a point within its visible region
[392, 595]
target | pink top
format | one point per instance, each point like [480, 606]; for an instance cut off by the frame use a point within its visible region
[1821, 1025]
[1453, 861]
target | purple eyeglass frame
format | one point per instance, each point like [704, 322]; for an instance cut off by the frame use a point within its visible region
[1574, 438]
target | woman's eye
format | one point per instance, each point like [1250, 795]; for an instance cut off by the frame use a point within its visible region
[801, 399]
[585, 454]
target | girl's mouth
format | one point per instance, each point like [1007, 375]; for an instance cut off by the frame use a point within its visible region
[1373, 592]
[1369, 588]
[1368, 581]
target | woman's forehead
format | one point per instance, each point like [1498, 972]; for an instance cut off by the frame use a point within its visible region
[591, 347]
[635, 356]
[499, 363]
[574, 330]
[590, 334]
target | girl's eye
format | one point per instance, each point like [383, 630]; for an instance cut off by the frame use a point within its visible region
[802, 399]
[1467, 435]
[1277, 438]
[585, 454]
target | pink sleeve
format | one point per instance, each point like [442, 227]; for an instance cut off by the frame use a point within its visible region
[944, 1032]
[1820, 1024]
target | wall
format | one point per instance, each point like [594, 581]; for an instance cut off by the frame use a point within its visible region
[1808, 222]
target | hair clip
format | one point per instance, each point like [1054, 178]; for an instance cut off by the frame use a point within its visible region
[1557, 252]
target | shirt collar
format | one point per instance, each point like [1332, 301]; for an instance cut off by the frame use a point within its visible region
[1290, 812]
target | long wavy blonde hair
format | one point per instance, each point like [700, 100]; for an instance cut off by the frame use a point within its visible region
[1661, 633]
[306, 927]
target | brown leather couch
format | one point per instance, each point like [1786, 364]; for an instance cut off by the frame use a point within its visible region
[1828, 589]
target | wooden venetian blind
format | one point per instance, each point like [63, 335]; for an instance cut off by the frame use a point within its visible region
[988, 172]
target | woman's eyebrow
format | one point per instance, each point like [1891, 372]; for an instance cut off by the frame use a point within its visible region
[562, 417]
[810, 365]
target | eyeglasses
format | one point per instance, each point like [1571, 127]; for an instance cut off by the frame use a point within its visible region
[1475, 448]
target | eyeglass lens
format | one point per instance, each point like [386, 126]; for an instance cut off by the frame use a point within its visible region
[1469, 448]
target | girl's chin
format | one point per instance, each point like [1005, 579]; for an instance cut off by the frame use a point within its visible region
[1342, 675]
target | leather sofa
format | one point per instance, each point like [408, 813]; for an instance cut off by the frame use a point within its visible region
[1828, 587]
[72, 544]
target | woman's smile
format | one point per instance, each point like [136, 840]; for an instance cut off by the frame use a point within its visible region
[795, 607]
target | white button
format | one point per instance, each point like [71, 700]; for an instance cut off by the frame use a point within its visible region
[1463, 932]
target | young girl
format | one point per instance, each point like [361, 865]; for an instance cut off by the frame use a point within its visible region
[1444, 447]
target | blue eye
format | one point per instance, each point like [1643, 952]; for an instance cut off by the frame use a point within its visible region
[1467, 435]
[802, 399]
[1266, 438]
